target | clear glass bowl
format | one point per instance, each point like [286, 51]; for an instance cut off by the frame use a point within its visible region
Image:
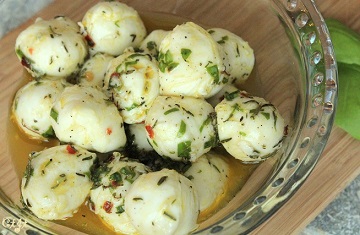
[295, 70]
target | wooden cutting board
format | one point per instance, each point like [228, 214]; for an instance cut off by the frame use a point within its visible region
[338, 166]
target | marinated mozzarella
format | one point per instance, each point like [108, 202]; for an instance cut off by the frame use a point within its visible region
[133, 84]
[57, 181]
[84, 116]
[191, 63]
[250, 128]
[240, 55]
[138, 135]
[210, 175]
[32, 104]
[93, 71]
[51, 47]
[162, 202]
[180, 128]
[110, 27]
[151, 43]
[112, 183]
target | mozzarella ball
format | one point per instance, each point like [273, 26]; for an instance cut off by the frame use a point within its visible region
[32, 104]
[162, 202]
[218, 97]
[151, 43]
[180, 128]
[110, 27]
[84, 116]
[112, 183]
[138, 135]
[132, 80]
[210, 175]
[191, 63]
[250, 128]
[240, 55]
[93, 71]
[51, 47]
[57, 181]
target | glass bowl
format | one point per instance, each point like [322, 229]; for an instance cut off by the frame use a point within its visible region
[295, 69]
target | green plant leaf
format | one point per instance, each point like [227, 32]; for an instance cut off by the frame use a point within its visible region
[348, 108]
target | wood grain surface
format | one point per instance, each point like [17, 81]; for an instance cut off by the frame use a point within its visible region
[338, 166]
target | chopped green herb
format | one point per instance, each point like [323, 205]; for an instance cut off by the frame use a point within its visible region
[28, 173]
[211, 31]
[210, 143]
[133, 106]
[225, 140]
[61, 179]
[223, 39]
[151, 45]
[138, 199]
[116, 177]
[171, 111]
[205, 123]
[242, 133]
[120, 209]
[49, 133]
[213, 70]
[184, 149]
[232, 95]
[129, 173]
[266, 115]
[166, 61]
[182, 129]
[54, 114]
[169, 216]
[80, 174]
[185, 53]
[216, 168]
[162, 180]
[87, 158]
[172, 66]
[236, 107]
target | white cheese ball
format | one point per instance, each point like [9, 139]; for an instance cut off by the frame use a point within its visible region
[250, 128]
[57, 181]
[132, 80]
[180, 128]
[93, 71]
[191, 63]
[240, 55]
[218, 97]
[138, 135]
[210, 175]
[84, 116]
[151, 43]
[52, 47]
[111, 186]
[110, 27]
[32, 104]
[162, 202]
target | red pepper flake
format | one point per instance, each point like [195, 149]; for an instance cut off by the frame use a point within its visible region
[114, 75]
[150, 131]
[31, 50]
[25, 62]
[108, 206]
[108, 131]
[89, 40]
[70, 149]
